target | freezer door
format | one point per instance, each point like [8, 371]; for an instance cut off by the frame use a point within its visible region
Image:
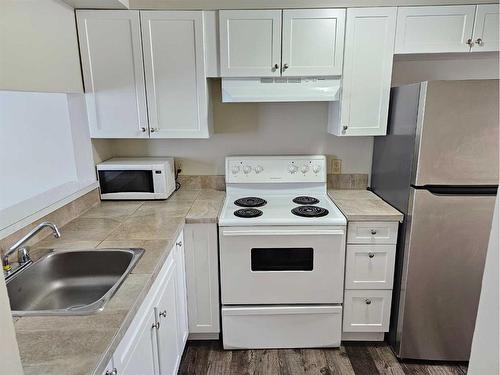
[444, 260]
[457, 133]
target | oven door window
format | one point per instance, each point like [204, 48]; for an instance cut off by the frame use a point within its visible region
[282, 259]
[126, 181]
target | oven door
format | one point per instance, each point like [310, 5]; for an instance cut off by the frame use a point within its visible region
[278, 265]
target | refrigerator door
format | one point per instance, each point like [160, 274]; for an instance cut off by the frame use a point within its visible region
[457, 133]
[444, 255]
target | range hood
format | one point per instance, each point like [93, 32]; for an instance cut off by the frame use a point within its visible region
[280, 89]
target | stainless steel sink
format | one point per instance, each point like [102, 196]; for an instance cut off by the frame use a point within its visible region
[76, 282]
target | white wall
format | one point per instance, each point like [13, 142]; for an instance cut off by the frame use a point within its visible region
[46, 154]
[485, 344]
[38, 47]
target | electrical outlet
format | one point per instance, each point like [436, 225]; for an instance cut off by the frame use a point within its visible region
[335, 166]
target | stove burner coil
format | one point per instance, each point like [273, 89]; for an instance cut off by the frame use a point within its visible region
[305, 200]
[310, 211]
[250, 202]
[248, 212]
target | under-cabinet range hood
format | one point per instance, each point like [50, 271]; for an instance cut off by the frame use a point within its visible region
[281, 89]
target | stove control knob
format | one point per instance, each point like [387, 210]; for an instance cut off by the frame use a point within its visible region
[316, 168]
[292, 168]
[258, 169]
[235, 169]
[247, 169]
[304, 168]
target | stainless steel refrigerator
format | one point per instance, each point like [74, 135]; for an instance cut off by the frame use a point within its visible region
[439, 166]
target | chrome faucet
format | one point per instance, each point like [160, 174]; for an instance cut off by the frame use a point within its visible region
[23, 256]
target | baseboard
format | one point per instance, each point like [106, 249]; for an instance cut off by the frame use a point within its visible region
[203, 336]
[362, 336]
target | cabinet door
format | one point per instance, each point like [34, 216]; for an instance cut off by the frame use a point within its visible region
[139, 355]
[486, 28]
[175, 74]
[313, 42]
[367, 310]
[434, 29]
[250, 43]
[202, 276]
[111, 54]
[364, 105]
[169, 354]
[182, 317]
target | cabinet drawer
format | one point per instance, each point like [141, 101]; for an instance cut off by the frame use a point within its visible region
[295, 326]
[369, 266]
[372, 232]
[367, 310]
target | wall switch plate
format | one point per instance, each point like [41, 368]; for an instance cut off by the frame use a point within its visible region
[335, 166]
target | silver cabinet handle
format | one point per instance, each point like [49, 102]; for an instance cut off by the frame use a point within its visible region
[479, 42]
[344, 128]
[143, 129]
[178, 243]
[276, 66]
[163, 314]
[156, 325]
[368, 301]
[153, 130]
[470, 42]
[373, 232]
[285, 66]
[112, 372]
[371, 255]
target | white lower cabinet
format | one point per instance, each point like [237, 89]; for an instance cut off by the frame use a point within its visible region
[154, 342]
[202, 278]
[271, 326]
[367, 310]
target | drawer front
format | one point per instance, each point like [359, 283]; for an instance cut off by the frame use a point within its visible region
[370, 266]
[367, 310]
[295, 326]
[372, 232]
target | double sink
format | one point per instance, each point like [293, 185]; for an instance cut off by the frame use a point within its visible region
[70, 282]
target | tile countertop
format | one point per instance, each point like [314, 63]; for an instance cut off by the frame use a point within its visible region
[80, 345]
[363, 205]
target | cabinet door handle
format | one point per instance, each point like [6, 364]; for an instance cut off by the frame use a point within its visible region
[143, 129]
[344, 128]
[371, 255]
[368, 301]
[479, 42]
[373, 232]
[156, 325]
[153, 130]
[285, 66]
[276, 66]
[112, 372]
[470, 42]
[178, 243]
[163, 314]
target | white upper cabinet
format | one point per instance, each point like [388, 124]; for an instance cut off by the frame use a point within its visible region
[434, 29]
[268, 43]
[176, 83]
[250, 43]
[111, 54]
[486, 28]
[313, 42]
[364, 104]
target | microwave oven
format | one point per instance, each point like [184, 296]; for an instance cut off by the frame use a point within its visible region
[136, 179]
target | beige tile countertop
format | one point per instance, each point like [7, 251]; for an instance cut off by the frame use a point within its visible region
[363, 205]
[80, 345]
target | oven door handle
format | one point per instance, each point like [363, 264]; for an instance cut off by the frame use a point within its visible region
[281, 232]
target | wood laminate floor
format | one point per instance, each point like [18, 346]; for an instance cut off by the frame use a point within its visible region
[208, 357]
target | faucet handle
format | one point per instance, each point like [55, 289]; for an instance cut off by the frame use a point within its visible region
[23, 255]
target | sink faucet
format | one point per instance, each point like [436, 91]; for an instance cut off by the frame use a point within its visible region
[22, 251]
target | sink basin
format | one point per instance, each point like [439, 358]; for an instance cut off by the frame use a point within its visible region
[70, 282]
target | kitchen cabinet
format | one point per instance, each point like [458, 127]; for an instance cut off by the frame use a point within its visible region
[202, 280]
[154, 342]
[273, 43]
[486, 28]
[113, 73]
[364, 104]
[176, 84]
[369, 277]
[181, 298]
[434, 29]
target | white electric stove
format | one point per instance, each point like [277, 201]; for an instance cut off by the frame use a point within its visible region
[282, 250]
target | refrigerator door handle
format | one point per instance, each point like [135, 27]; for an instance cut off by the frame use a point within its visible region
[459, 190]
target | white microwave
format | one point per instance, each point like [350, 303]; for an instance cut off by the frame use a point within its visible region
[136, 179]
